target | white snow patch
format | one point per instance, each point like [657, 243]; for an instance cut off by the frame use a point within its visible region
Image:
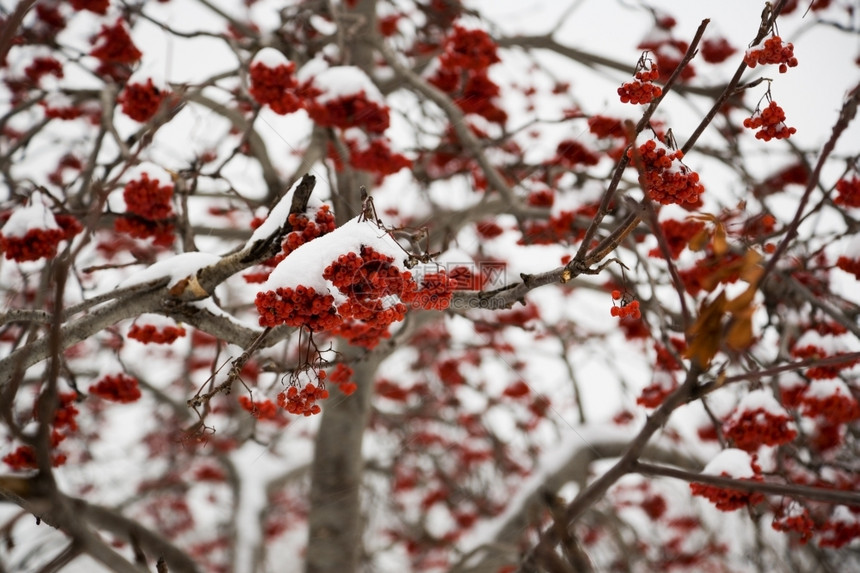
[34, 216]
[343, 81]
[175, 268]
[305, 265]
[736, 463]
[270, 58]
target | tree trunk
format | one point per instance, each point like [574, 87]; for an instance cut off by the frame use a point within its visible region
[335, 523]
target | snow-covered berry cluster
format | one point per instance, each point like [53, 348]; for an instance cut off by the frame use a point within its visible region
[759, 420]
[774, 51]
[34, 232]
[731, 463]
[770, 123]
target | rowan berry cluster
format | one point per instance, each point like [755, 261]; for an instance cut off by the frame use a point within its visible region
[303, 401]
[463, 73]
[304, 230]
[749, 429]
[262, 410]
[303, 306]
[41, 67]
[275, 87]
[149, 211]
[678, 235]
[774, 51]
[641, 89]
[771, 120]
[95, 6]
[849, 265]
[117, 388]
[626, 309]
[150, 334]
[716, 50]
[352, 110]
[342, 376]
[141, 101]
[666, 182]
[115, 50]
[794, 521]
[377, 157]
[832, 402]
[728, 499]
[848, 192]
[435, 294]
[36, 242]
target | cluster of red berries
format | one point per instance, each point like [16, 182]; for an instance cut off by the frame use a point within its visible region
[141, 101]
[837, 407]
[468, 49]
[115, 50]
[753, 428]
[640, 90]
[117, 388]
[377, 158]
[654, 394]
[678, 235]
[570, 153]
[603, 126]
[150, 334]
[275, 87]
[435, 294]
[727, 499]
[797, 522]
[263, 410]
[849, 265]
[95, 6]
[716, 50]
[838, 532]
[342, 376]
[774, 51]
[628, 309]
[463, 73]
[303, 231]
[300, 307]
[848, 192]
[38, 243]
[367, 275]
[666, 182]
[303, 401]
[24, 457]
[41, 67]
[353, 110]
[149, 211]
[771, 120]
